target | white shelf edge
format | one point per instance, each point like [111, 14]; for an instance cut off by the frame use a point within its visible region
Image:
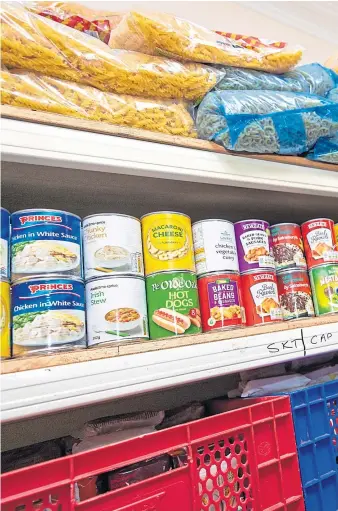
[40, 391]
[25, 142]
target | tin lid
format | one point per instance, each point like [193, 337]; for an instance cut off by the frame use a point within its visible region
[316, 220]
[259, 270]
[123, 276]
[215, 273]
[170, 271]
[47, 276]
[284, 223]
[165, 213]
[212, 220]
[47, 210]
[291, 270]
[324, 265]
[4, 209]
[252, 220]
[110, 214]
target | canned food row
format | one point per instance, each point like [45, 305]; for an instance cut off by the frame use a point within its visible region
[52, 312]
[50, 241]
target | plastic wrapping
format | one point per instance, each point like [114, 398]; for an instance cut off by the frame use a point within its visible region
[166, 34]
[46, 94]
[35, 43]
[266, 121]
[139, 472]
[311, 78]
[333, 95]
[182, 414]
[326, 149]
[106, 425]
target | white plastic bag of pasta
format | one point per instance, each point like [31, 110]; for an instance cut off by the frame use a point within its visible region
[266, 121]
[326, 149]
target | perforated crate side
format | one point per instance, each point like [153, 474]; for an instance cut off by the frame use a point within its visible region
[315, 416]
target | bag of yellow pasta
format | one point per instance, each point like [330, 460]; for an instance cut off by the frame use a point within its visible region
[43, 93]
[35, 43]
[166, 34]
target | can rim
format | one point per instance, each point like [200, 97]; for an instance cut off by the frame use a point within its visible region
[323, 265]
[252, 220]
[47, 276]
[4, 209]
[123, 276]
[110, 214]
[165, 212]
[45, 209]
[315, 219]
[4, 279]
[284, 223]
[259, 270]
[292, 270]
[171, 271]
[211, 273]
[212, 220]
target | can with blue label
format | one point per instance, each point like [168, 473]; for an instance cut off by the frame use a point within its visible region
[45, 241]
[48, 314]
[4, 246]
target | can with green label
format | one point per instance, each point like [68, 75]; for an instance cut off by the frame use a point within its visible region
[173, 305]
[324, 283]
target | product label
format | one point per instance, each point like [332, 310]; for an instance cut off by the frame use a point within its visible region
[48, 313]
[173, 305]
[4, 320]
[254, 245]
[324, 283]
[116, 310]
[112, 244]
[265, 297]
[215, 247]
[224, 303]
[321, 242]
[4, 242]
[46, 243]
[295, 295]
[287, 247]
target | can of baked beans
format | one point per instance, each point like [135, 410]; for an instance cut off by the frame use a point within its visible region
[167, 242]
[221, 302]
[319, 242]
[324, 283]
[214, 246]
[295, 294]
[254, 245]
[116, 309]
[287, 246]
[260, 297]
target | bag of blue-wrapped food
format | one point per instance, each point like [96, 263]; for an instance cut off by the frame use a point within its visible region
[326, 149]
[266, 121]
[333, 95]
[310, 78]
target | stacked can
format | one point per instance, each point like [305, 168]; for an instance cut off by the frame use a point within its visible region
[48, 305]
[172, 297]
[258, 274]
[219, 284]
[321, 252]
[4, 285]
[114, 274]
[293, 281]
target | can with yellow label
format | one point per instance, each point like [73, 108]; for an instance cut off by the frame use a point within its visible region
[336, 232]
[4, 318]
[167, 242]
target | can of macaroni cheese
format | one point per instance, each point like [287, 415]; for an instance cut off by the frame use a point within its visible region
[254, 245]
[4, 247]
[167, 242]
[112, 244]
[5, 318]
[319, 242]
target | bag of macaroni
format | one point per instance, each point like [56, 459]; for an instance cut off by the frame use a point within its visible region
[260, 297]
[173, 305]
[319, 242]
[221, 303]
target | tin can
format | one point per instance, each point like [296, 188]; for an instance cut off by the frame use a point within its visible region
[214, 246]
[112, 243]
[48, 314]
[167, 242]
[324, 283]
[260, 297]
[336, 233]
[287, 246]
[4, 246]
[173, 305]
[295, 294]
[319, 242]
[5, 319]
[254, 245]
[116, 309]
[221, 303]
[45, 241]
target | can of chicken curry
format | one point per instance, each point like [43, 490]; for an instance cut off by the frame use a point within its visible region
[167, 242]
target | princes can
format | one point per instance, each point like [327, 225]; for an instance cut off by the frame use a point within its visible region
[319, 242]
[254, 245]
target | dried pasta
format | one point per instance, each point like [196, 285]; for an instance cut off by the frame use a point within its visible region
[266, 121]
[166, 34]
[326, 149]
[35, 43]
[333, 95]
[48, 94]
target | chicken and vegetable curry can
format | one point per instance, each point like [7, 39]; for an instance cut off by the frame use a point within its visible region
[48, 314]
[324, 283]
[116, 309]
[167, 242]
[4, 244]
[5, 318]
[45, 241]
[319, 242]
[260, 297]
[112, 244]
[254, 245]
[173, 304]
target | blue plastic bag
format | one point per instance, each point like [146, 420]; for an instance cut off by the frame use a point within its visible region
[266, 121]
[326, 149]
[311, 78]
[333, 95]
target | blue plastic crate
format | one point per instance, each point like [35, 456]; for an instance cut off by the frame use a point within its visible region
[315, 417]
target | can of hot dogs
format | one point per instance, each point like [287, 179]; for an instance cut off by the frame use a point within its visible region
[173, 305]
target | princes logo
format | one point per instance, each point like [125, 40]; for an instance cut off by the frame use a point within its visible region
[34, 288]
[40, 218]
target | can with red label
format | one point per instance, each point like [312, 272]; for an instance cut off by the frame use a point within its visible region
[254, 245]
[221, 302]
[260, 297]
[319, 242]
[287, 246]
[295, 294]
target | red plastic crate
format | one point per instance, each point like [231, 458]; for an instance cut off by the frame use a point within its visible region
[241, 460]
